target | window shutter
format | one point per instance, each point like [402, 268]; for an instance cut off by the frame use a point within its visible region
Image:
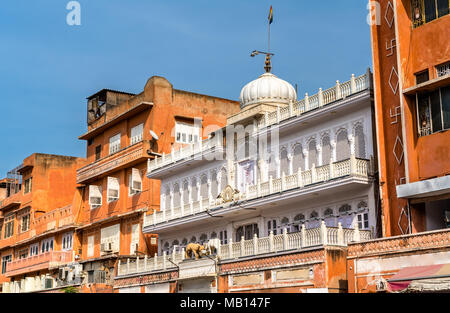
[136, 180]
[134, 238]
[113, 189]
[90, 250]
[95, 195]
[111, 235]
[114, 144]
[136, 133]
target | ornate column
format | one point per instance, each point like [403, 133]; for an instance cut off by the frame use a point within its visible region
[262, 170]
[290, 158]
[171, 199]
[278, 165]
[209, 186]
[306, 156]
[333, 149]
[351, 140]
[219, 182]
[319, 154]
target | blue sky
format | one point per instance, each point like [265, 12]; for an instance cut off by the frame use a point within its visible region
[48, 68]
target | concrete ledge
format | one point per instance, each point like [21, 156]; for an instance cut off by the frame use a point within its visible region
[425, 188]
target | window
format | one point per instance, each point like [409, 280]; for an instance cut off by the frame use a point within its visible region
[433, 110]
[98, 152]
[360, 143]
[203, 238]
[67, 241]
[312, 154]
[136, 134]
[329, 218]
[5, 260]
[95, 196]
[111, 235]
[223, 237]
[422, 77]
[90, 141]
[112, 192]
[443, 69]
[135, 182]
[23, 254]
[342, 146]
[90, 248]
[25, 221]
[193, 239]
[134, 238]
[314, 221]
[298, 220]
[47, 245]
[114, 144]
[186, 132]
[27, 185]
[272, 227]
[424, 11]
[247, 231]
[9, 226]
[298, 160]
[34, 249]
[363, 220]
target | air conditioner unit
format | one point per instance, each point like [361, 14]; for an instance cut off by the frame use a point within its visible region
[62, 274]
[106, 247]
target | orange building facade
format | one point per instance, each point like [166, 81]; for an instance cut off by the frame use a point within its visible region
[37, 221]
[411, 60]
[124, 131]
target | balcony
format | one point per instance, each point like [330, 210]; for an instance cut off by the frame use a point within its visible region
[47, 260]
[294, 242]
[12, 201]
[209, 149]
[126, 157]
[355, 169]
[304, 106]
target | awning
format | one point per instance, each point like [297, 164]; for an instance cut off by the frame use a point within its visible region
[421, 278]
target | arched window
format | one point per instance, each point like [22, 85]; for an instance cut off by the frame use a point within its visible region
[166, 246]
[214, 185]
[184, 242]
[284, 163]
[193, 239]
[312, 154]
[203, 238]
[345, 208]
[204, 187]
[175, 243]
[299, 217]
[176, 195]
[213, 235]
[185, 192]
[298, 160]
[342, 146]
[360, 144]
[285, 224]
[362, 206]
[314, 221]
[329, 218]
[326, 150]
[345, 216]
[194, 189]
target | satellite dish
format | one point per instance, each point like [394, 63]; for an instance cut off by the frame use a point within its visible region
[155, 136]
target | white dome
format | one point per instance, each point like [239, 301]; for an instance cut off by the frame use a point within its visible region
[267, 89]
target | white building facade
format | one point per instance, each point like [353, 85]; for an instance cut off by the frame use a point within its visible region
[280, 166]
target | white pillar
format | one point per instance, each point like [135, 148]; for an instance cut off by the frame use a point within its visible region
[306, 156]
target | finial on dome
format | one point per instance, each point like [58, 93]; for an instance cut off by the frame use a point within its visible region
[268, 62]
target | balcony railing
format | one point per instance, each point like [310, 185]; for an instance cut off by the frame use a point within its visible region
[354, 167]
[114, 161]
[309, 103]
[39, 262]
[196, 149]
[12, 200]
[305, 238]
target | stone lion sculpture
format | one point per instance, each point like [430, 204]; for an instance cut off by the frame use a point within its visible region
[196, 249]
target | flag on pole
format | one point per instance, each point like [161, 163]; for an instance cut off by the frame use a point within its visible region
[271, 15]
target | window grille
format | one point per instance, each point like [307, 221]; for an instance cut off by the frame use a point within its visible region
[443, 69]
[137, 134]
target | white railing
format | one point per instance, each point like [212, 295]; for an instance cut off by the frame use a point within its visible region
[350, 167]
[322, 98]
[305, 238]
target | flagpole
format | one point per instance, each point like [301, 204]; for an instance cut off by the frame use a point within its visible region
[269, 36]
